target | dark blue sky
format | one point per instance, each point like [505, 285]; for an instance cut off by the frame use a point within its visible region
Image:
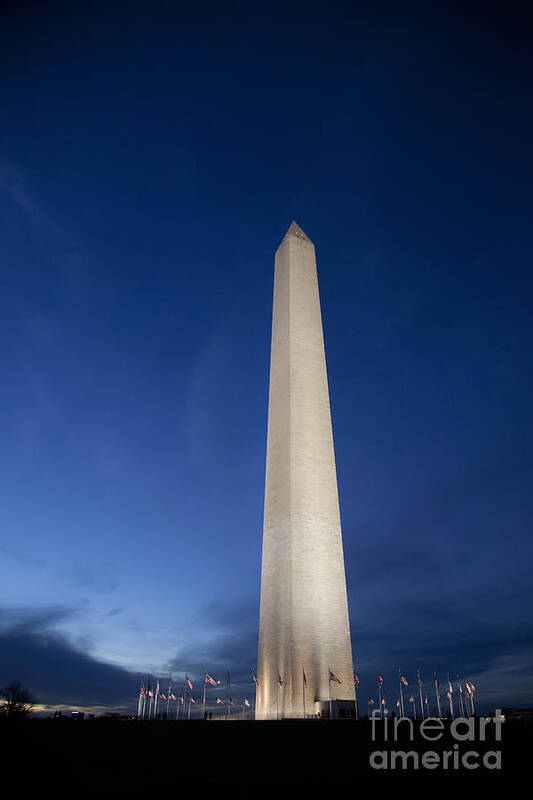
[152, 157]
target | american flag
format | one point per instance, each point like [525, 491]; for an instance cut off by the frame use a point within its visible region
[380, 680]
[246, 703]
[411, 699]
[192, 700]
[172, 697]
[279, 680]
[255, 680]
[355, 680]
[220, 702]
[162, 696]
[333, 677]
[420, 681]
[188, 682]
[211, 681]
[180, 698]
[370, 702]
[231, 702]
[404, 680]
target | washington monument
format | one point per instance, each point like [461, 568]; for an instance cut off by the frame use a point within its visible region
[304, 632]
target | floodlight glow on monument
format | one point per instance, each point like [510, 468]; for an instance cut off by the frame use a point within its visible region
[304, 632]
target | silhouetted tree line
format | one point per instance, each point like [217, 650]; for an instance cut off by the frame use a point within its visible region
[16, 702]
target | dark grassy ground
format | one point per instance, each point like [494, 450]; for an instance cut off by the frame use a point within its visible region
[115, 758]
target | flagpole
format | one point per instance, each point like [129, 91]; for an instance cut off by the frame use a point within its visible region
[437, 698]
[355, 704]
[139, 700]
[379, 699]
[402, 709]
[450, 699]
[147, 706]
[420, 692]
[144, 703]
[156, 698]
[450, 703]
[471, 689]
[330, 702]
[204, 699]
[255, 693]
[460, 693]
[168, 695]
[228, 684]
[469, 696]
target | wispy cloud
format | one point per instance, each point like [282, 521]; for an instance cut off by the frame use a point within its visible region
[114, 612]
[58, 673]
[24, 559]
[413, 614]
[228, 642]
[97, 579]
[69, 256]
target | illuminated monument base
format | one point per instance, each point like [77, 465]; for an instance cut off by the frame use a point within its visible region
[304, 633]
